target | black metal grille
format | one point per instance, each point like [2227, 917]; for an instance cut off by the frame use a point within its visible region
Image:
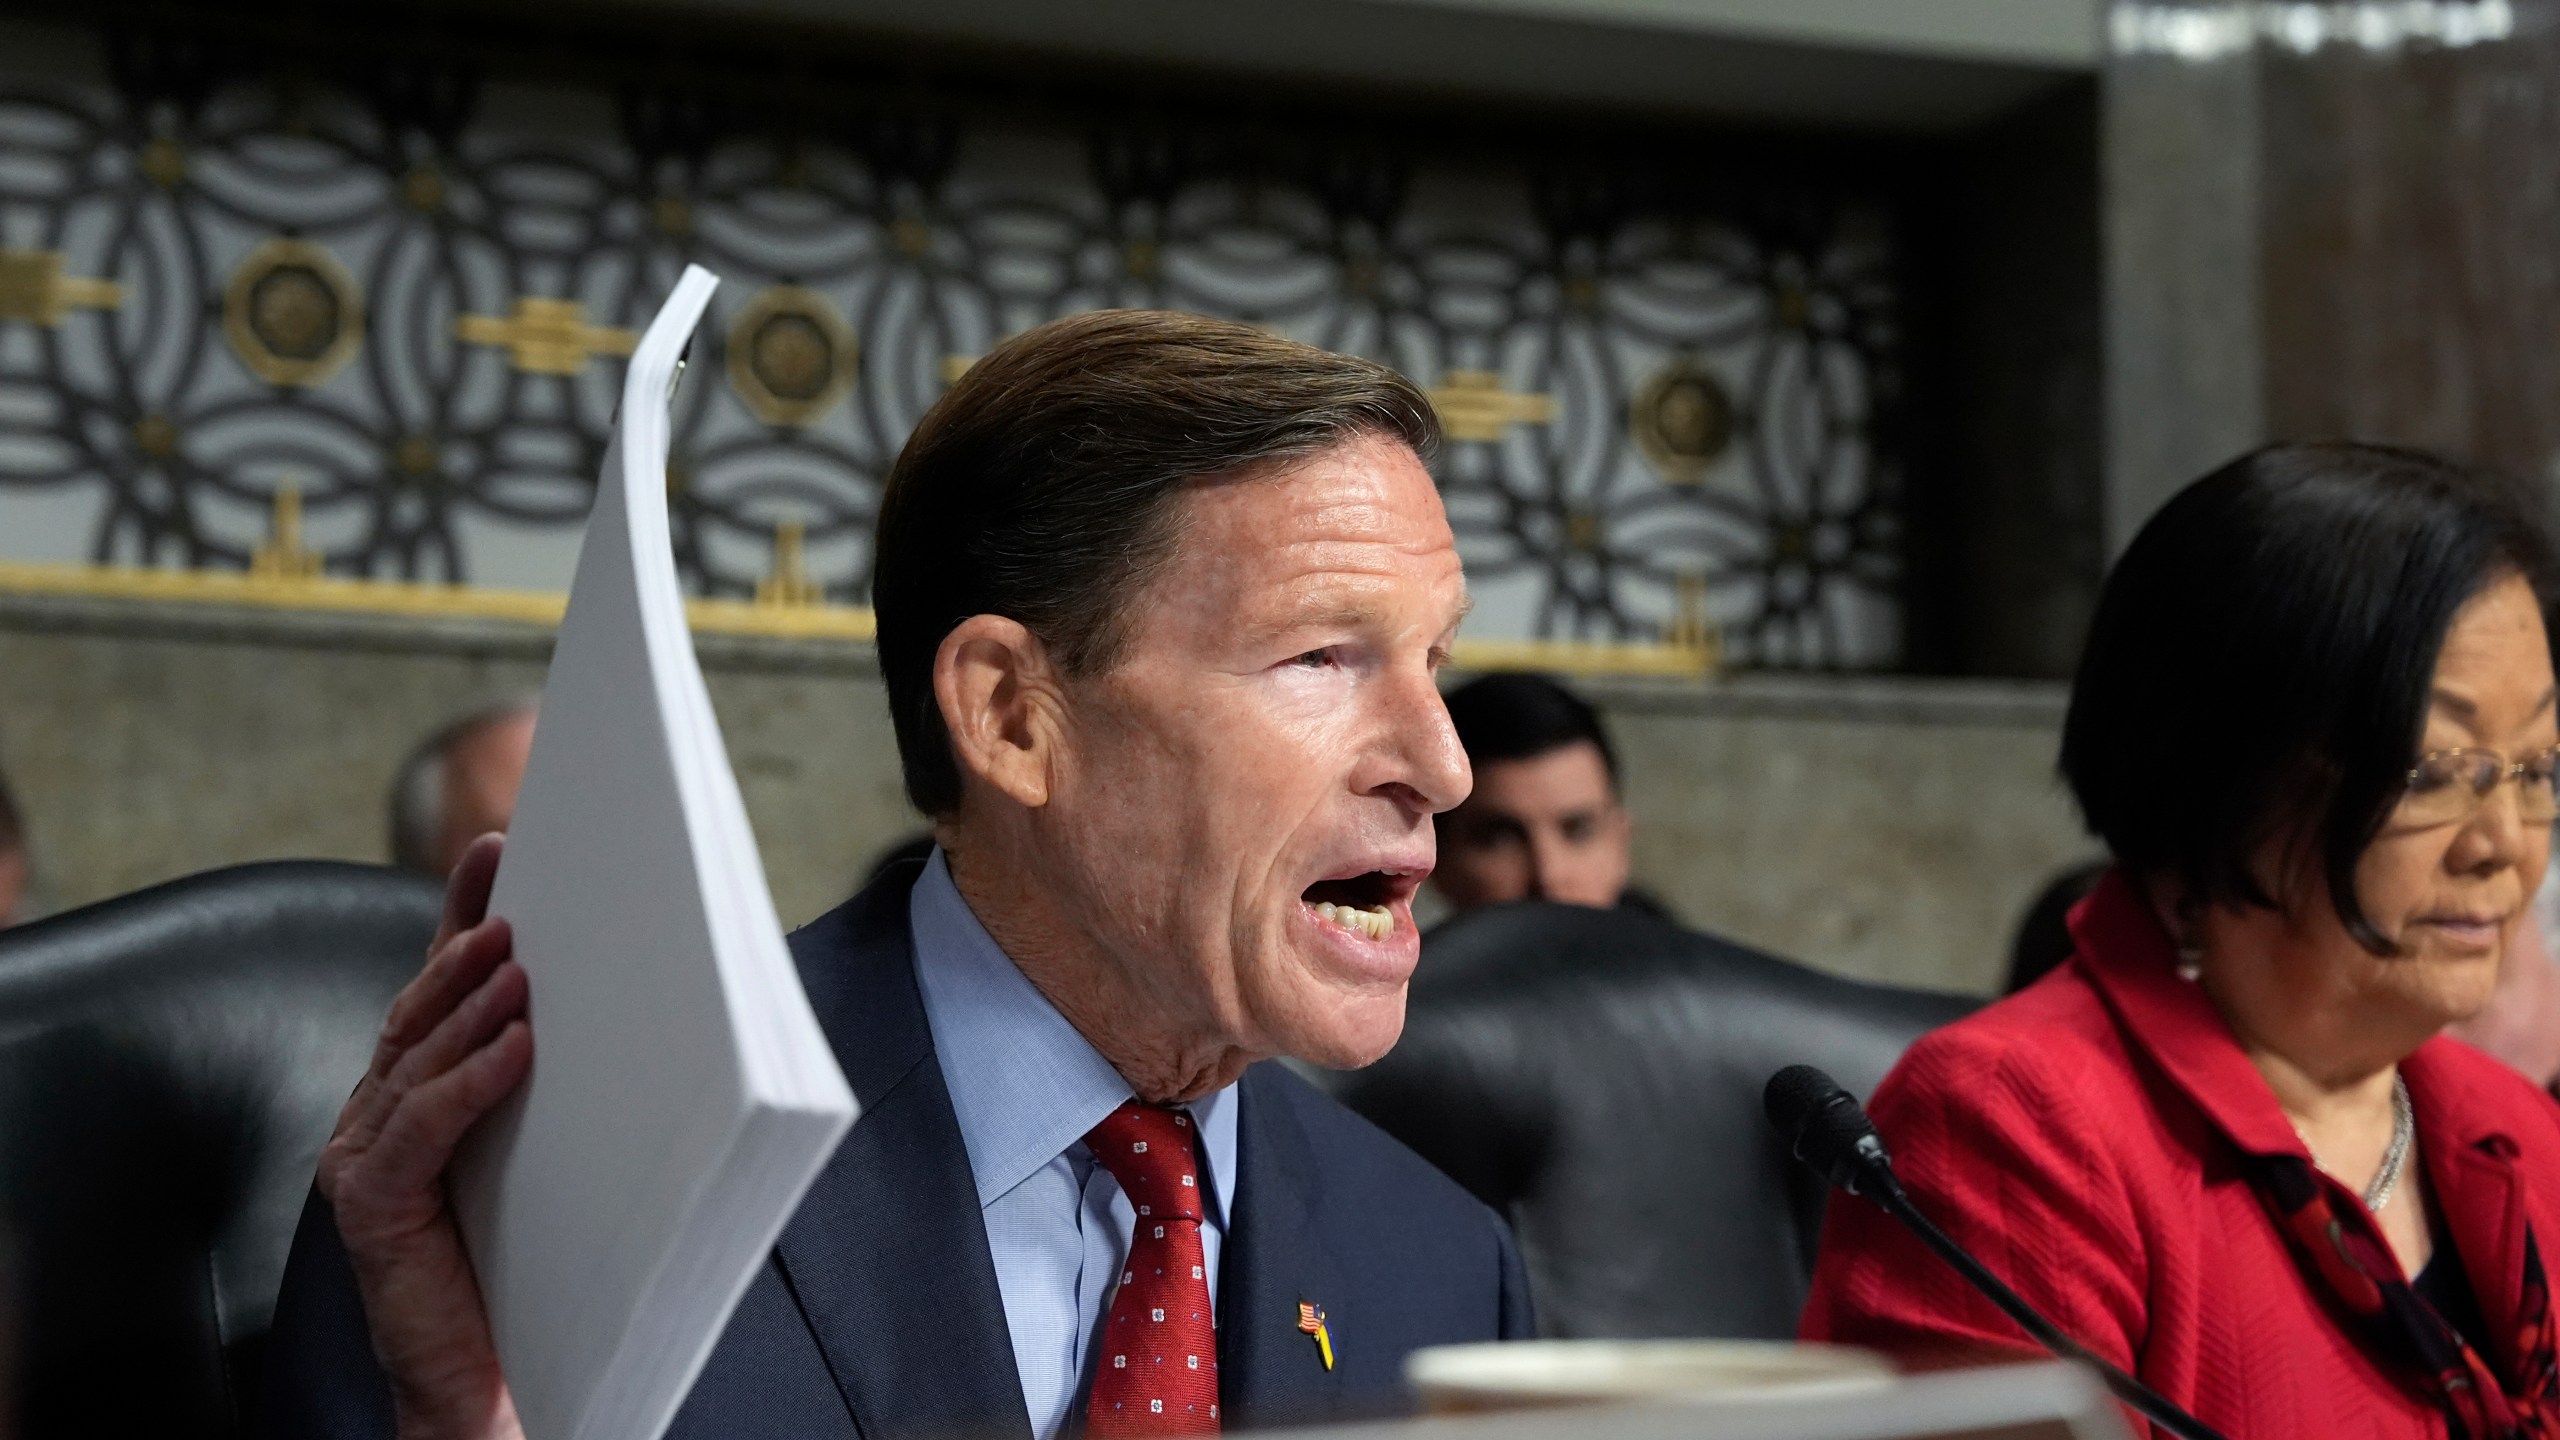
[1675, 400]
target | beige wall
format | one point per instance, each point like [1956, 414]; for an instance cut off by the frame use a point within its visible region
[1892, 830]
[146, 743]
[1885, 829]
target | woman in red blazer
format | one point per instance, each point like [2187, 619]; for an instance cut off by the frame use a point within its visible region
[2224, 1145]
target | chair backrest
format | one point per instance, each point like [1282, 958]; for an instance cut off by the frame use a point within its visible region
[1595, 1077]
[171, 1062]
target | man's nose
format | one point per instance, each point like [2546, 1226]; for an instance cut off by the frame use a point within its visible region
[1428, 760]
[1542, 869]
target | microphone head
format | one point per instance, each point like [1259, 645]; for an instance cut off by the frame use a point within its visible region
[1795, 1093]
[1825, 1128]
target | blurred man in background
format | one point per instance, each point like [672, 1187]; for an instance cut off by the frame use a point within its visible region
[460, 783]
[1544, 821]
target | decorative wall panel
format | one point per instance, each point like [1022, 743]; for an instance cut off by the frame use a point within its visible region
[407, 304]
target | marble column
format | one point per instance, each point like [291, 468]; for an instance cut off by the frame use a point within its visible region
[2179, 167]
[2329, 219]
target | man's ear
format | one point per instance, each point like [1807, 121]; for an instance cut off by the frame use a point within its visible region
[1002, 705]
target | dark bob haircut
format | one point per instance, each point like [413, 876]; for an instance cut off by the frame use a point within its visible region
[1041, 486]
[2259, 668]
[1520, 717]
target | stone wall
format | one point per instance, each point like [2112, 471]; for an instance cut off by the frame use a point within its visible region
[1888, 829]
[2328, 221]
[1891, 829]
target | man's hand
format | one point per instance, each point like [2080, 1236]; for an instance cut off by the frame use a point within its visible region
[454, 1045]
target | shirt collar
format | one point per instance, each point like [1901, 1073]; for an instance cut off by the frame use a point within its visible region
[1025, 1085]
[2127, 954]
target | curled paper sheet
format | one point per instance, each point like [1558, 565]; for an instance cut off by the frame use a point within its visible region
[682, 1095]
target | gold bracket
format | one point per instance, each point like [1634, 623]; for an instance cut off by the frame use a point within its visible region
[1474, 406]
[1790, 306]
[789, 583]
[547, 337]
[282, 557]
[423, 188]
[34, 289]
[1689, 630]
[163, 162]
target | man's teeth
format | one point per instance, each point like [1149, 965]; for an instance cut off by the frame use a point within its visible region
[1377, 922]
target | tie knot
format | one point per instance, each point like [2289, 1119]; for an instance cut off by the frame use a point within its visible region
[1149, 1150]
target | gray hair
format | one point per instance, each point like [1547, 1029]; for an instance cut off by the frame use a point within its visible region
[417, 791]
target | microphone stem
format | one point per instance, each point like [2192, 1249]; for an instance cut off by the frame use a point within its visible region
[1880, 1186]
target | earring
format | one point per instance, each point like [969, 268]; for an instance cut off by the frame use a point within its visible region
[2190, 961]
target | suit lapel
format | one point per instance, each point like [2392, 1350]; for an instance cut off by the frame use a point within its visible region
[887, 1255]
[1270, 1370]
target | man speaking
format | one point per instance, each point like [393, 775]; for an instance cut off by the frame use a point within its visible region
[1160, 604]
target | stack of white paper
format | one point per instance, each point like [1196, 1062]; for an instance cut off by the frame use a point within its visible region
[682, 1095]
[2042, 1400]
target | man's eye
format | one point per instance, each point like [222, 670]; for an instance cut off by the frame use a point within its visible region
[1315, 659]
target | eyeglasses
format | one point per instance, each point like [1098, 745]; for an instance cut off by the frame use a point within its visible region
[2452, 785]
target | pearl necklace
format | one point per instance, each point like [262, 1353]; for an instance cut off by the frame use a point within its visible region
[2404, 1129]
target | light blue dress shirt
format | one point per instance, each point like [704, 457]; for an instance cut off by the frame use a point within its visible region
[1026, 1087]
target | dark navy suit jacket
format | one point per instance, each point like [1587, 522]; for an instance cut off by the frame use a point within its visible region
[877, 1314]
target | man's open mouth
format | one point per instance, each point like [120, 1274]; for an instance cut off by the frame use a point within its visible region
[1364, 904]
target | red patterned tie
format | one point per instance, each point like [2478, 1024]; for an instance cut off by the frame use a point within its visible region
[1158, 1370]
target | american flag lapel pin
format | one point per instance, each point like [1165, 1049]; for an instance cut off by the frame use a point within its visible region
[1311, 1320]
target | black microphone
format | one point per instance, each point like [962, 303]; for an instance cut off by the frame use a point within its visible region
[1825, 1127]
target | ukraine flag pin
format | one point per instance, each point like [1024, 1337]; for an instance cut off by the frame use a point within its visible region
[1311, 1320]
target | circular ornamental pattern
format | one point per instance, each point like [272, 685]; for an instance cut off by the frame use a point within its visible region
[292, 313]
[791, 355]
[1682, 419]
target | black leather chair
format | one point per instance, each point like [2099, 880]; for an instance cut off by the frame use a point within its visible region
[1595, 1077]
[171, 1062]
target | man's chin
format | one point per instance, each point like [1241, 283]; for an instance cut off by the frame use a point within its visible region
[1345, 1035]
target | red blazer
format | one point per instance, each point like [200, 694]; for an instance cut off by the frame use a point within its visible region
[2082, 1137]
